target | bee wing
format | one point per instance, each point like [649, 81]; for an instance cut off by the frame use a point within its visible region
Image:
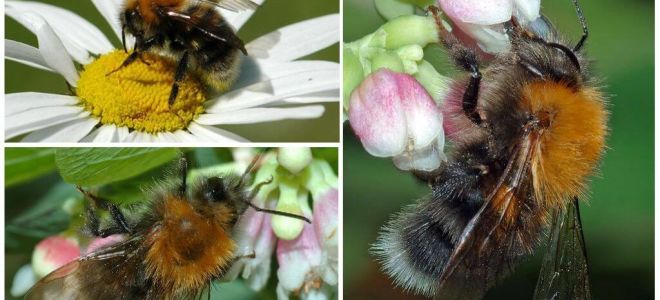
[222, 33]
[477, 260]
[565, 270]
[78, 279]
[233, 5]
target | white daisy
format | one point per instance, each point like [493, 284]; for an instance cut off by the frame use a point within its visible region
[272, 85]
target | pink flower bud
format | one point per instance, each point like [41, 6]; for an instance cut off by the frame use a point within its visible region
[99, 243]
[483, 20]
[394, 116]
[52, 253]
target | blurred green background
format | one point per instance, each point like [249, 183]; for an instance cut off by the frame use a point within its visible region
[35, 194]
[271, 15]
[618, 220]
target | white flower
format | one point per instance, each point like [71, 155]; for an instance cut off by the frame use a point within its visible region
[272, 85]
[483, 20]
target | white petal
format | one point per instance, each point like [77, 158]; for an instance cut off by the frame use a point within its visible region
[165, 137]
[103, 134]
[237, 19]
[51, 48]
[110, 10]
[122, 133]
[257, 115]
[320, 97]
[526, 10]
[214, 134]
[73, 131]
[138, 137]
[426, 159]
[297, 40]
[39, 118]
[257, 70]
[25, 54]
[185, 137]
[20, 102]
[270, 91]
[78, 35]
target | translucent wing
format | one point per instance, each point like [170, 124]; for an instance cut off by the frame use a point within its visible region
[104, 272]
[491, 243]
[565, 270]
[233, 5]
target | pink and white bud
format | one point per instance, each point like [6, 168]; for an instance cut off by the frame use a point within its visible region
[483, 21]
[326, 225]
[394, 116]
[54, 252]
[254, 235]
[302, 271]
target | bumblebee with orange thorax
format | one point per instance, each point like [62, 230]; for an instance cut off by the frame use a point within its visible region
[528, 131]
[173, 251]
[192, 32]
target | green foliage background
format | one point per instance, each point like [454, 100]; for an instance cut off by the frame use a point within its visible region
[40, 180]
[618, 221]
[271, 15]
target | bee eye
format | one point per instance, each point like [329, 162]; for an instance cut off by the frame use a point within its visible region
[214, 191]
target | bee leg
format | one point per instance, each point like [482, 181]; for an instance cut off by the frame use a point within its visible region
[123, 38]
[465, 58]
[178, 76]
[93, 225]
[115, 213]
[129, 60]
[183, 173]
[471, 94]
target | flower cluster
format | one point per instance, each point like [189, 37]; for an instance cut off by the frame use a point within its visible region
[394, 97]
[307, 254]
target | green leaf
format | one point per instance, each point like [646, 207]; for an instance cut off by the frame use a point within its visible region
[96, 166]
[24, 164]
[45, 218]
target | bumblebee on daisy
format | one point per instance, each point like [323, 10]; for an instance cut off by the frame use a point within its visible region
[149, 95]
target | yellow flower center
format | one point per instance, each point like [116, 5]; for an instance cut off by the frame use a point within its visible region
[136, 96]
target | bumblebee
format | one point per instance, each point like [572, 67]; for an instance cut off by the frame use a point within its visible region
[191, 32]
[173, 250]
[528, 128]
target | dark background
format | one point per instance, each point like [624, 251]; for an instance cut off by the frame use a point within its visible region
[618, 220]
[272, 15]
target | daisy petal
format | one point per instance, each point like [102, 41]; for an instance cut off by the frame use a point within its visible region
[25, 54]
[78, 35]
[185, 137]
[270, 91]
[110, 10]
[237, 19]
[214, 134]
[137, 137]
[20, 102]
[297, 40]
[264, 114]
[122, 133]
[104, 134]
[166, 137]
[254, 70]
[320, 97]
[51, 48]
[71, 132]
[40, 118]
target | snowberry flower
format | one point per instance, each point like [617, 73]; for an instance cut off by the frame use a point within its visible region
[301, 269]
[394, 116]
[294, 175]
[24, 279]
[483, 21]
[273, 84]
[54, 252]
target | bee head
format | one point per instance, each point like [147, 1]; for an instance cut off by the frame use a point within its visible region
[221, 191]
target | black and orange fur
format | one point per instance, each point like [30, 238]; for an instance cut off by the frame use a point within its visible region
[527, 132]
[192, 32]
[173, 250]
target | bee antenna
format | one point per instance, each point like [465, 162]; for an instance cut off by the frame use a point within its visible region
[583, 22]
[279, 213]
